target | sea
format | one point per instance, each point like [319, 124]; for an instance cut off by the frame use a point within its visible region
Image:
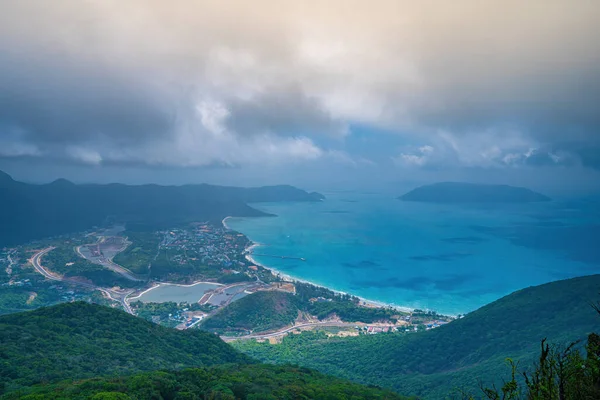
[451, 259]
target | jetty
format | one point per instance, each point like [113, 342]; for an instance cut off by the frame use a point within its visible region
[282, 257]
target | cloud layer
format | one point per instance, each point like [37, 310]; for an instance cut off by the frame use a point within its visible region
[232, 83]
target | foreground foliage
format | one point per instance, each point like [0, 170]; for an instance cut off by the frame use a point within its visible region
[246, 382]
[78, 340]
[560, 374]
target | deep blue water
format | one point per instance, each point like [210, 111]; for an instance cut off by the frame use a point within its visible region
[448, 258]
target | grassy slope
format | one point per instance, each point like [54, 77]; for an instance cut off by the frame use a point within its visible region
[76, 340]
[433, 363]
[260, 311]
[140, 253]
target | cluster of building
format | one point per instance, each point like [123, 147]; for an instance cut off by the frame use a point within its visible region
[8, 260]
[191, 321]
[207, 244]
[372, 330]
[12, 282]
[434, 324]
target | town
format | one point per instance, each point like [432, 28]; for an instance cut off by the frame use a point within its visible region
[181, 257]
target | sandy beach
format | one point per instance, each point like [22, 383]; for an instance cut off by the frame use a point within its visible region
[224, 222]
[292, 279]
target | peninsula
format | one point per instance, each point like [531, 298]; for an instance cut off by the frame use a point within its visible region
[460, 192]
[62, 207]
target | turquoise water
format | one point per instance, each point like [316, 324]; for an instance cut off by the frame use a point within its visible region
[448, 258]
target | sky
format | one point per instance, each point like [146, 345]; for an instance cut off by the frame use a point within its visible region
[337, 93]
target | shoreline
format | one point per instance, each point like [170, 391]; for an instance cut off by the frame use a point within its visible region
[292, 279]
[224, 222]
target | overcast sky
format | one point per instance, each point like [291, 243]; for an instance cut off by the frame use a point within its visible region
[306, 92]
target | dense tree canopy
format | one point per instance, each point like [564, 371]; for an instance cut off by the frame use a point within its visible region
[227, 382]
[77, 340]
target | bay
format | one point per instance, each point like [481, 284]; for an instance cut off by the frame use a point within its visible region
[449, 258]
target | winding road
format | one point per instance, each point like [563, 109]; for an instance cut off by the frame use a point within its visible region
[120, 296]
[109, 263]
[289, 329]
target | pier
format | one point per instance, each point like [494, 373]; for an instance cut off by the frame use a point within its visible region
[282, 257]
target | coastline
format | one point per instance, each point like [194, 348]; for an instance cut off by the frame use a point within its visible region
[224, 222]
[288, 278]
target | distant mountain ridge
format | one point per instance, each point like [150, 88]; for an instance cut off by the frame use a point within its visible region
[30, 212]
[461, 192]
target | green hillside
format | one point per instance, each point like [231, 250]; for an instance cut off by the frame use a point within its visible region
[261, 311]
[86, 351]
[229, 382]
[78, 340]
[264, 311]
[433, 363]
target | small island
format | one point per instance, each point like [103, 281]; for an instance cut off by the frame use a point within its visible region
[460, 192]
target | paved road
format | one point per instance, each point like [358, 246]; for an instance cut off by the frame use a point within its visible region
[121, 297]
[108, 263]
[291, 328]
[10, 264]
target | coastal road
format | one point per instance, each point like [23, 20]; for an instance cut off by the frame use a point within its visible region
[121, 297]
[291, 328]
[10, 264]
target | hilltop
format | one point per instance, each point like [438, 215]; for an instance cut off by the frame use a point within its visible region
[432, 364]
[100, 353]
[29, 212]
[261, 311]
[459, 192]
[79, 340]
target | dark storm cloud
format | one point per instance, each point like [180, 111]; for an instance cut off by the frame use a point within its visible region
[475, 84]
[54, 101]
[289, 112]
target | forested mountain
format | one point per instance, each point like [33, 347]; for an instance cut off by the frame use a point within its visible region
[434, 363]
[36, 211]
[74, 341]
[460, 192]
[78, 340]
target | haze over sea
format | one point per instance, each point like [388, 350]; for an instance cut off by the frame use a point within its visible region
[449, 258]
